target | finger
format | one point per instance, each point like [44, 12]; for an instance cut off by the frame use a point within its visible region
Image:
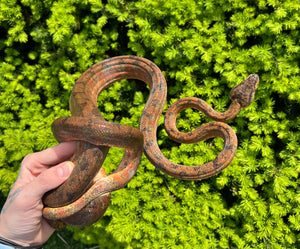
[56, 154]
[50, 156]
[49, 179]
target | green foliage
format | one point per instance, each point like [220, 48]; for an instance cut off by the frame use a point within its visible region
[204, 48]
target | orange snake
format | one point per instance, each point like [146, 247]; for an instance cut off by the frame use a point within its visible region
[85, 196]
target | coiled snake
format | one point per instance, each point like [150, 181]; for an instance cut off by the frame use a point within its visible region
[84, 197]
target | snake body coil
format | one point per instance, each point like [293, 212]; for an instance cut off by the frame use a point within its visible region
[84, 197]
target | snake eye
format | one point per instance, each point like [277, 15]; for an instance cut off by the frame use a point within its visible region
[244, 92]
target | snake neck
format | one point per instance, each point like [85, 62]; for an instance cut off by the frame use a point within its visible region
[231, 113]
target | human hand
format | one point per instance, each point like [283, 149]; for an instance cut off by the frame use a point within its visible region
[21, 218]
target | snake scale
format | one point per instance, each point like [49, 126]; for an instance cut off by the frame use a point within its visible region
[85, 196]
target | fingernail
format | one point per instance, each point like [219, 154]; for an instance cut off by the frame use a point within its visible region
[65, 170]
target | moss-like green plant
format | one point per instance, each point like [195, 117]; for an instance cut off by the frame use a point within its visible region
[204, 48]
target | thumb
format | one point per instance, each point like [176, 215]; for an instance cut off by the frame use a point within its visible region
[50, 179]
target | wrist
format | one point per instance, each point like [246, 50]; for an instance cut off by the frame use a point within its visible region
[8, 244]
[7, 240]
[5, 233]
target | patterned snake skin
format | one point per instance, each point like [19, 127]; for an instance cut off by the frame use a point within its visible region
[85, 196]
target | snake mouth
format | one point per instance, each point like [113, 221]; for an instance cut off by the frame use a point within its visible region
[244, 92]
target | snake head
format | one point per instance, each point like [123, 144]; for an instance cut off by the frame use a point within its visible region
[244, 92]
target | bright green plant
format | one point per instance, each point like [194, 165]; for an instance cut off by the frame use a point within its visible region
[204, 48]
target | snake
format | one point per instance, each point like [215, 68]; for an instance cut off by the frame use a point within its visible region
[85, 195]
